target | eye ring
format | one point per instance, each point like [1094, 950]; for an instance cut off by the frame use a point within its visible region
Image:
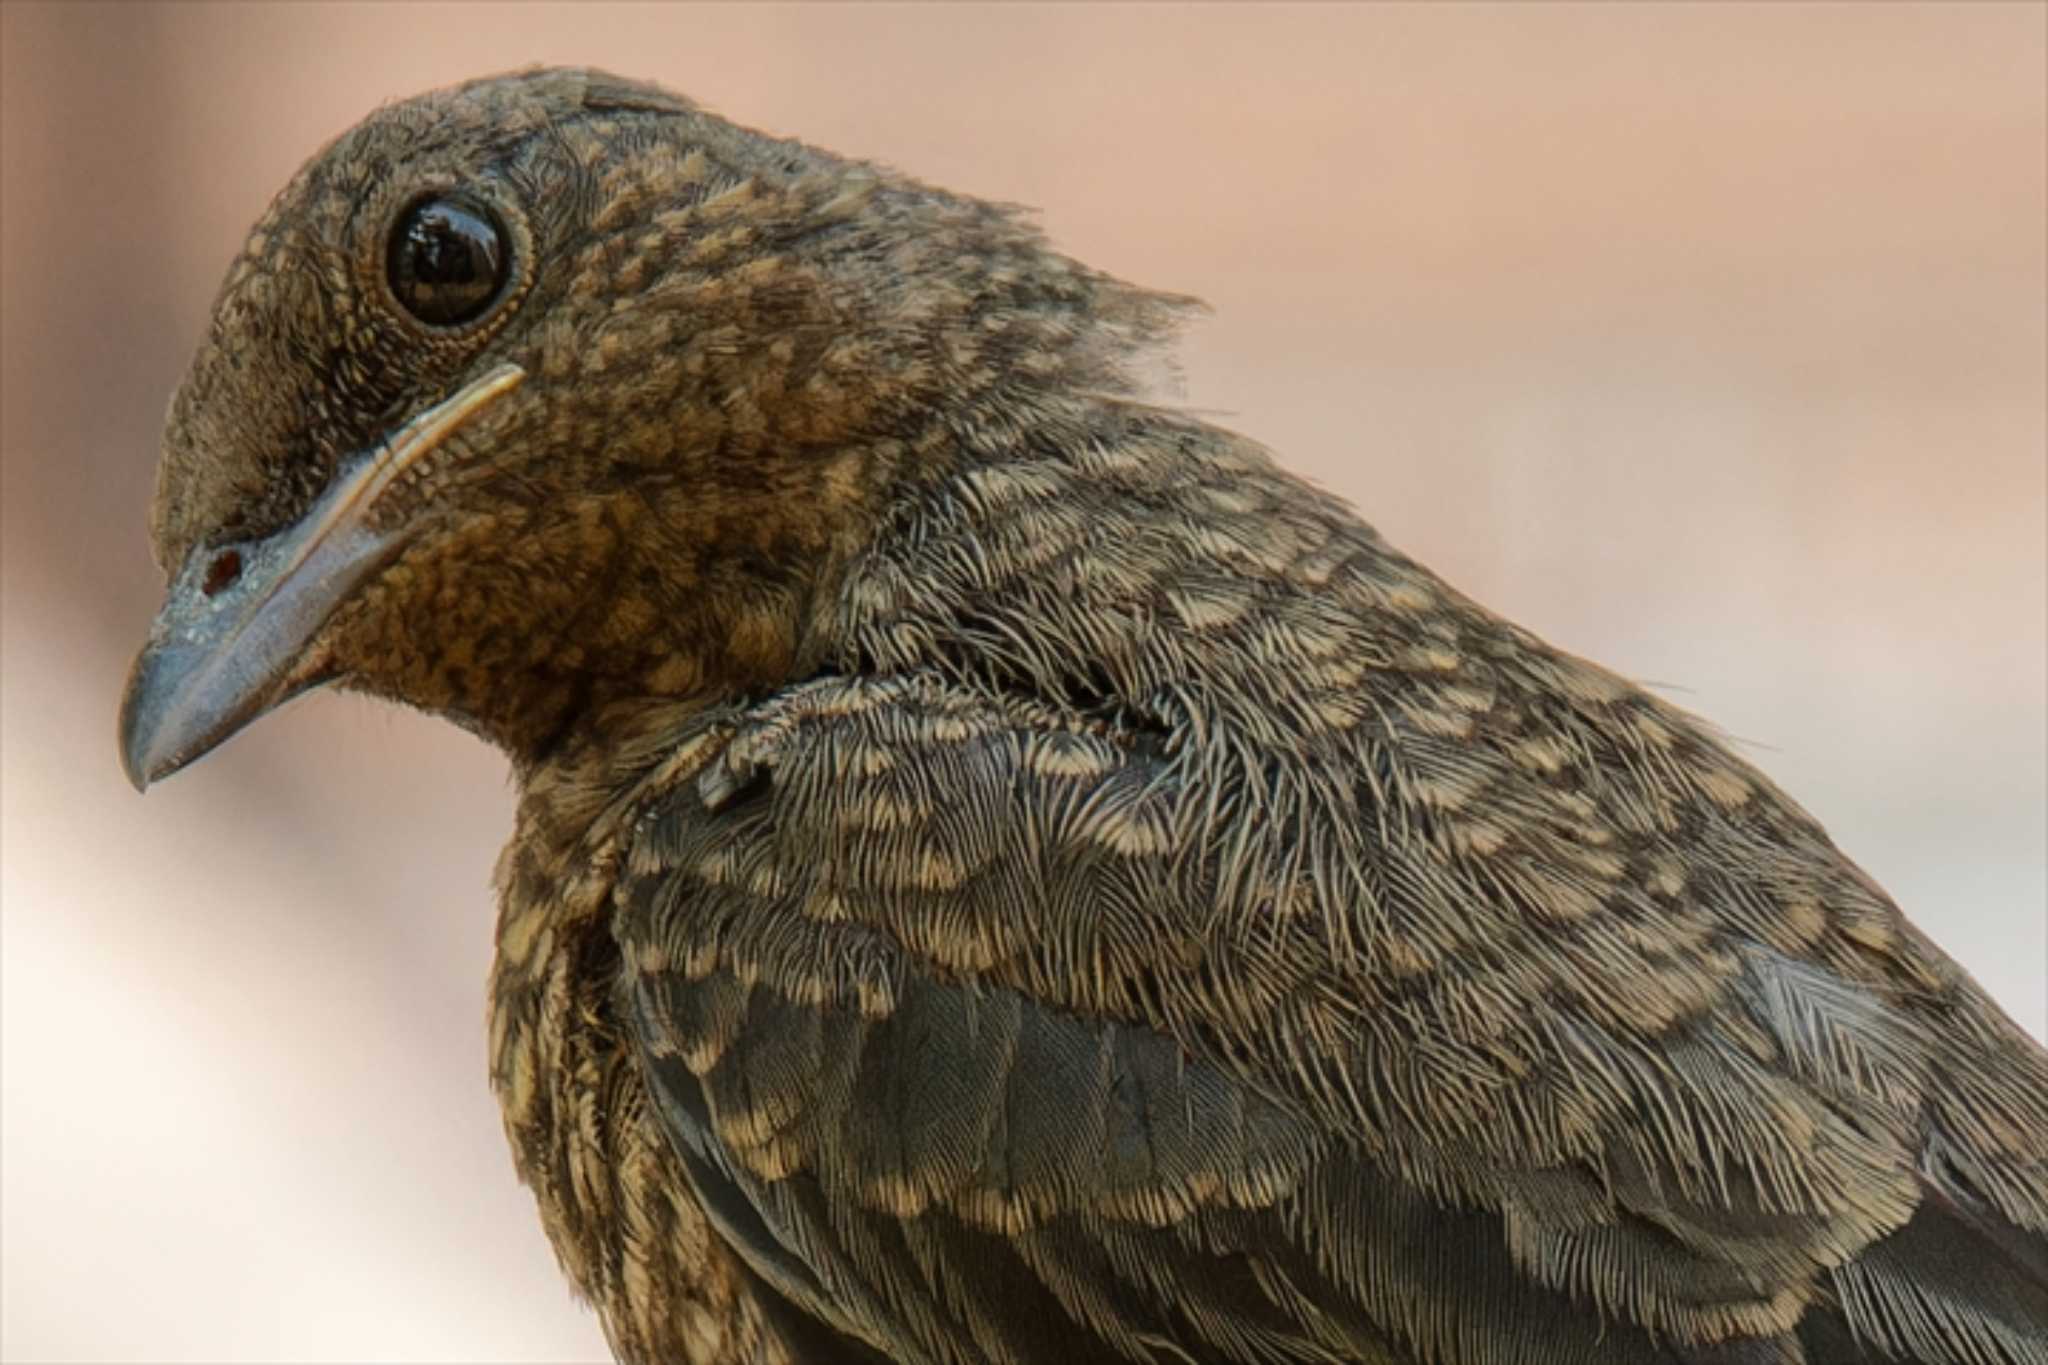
[447, 259]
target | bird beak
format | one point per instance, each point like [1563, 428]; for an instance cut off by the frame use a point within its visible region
[231, 641]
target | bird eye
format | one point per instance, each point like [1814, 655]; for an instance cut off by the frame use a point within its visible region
[447, 260]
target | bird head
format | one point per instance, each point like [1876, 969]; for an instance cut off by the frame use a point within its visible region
[552, 391]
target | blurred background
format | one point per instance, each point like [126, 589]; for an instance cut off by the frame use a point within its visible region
[1705, 340]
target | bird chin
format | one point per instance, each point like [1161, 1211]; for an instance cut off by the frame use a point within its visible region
[235, 637]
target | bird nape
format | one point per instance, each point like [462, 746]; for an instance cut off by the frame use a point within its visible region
[1005, 873]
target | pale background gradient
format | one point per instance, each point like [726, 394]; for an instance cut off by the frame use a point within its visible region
[1707, 341]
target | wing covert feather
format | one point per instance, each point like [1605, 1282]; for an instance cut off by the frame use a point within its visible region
[964, 996]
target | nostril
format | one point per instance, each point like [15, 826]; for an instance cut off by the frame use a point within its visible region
[222, 573]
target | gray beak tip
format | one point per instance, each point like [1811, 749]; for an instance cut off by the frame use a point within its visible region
[136, 732]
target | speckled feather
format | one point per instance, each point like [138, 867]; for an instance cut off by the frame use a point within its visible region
[1005, 873]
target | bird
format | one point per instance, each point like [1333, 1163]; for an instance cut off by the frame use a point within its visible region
[1003, 871]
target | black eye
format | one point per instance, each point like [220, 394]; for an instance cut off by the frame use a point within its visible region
[447, 260]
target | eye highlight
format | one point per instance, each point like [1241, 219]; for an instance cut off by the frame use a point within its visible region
[447, 260]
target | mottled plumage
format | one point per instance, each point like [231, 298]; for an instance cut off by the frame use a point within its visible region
[1005, 872]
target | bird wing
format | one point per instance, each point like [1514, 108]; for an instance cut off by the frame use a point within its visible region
[994, 1033]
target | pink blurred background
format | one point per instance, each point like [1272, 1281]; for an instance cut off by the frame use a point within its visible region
[1707, 341]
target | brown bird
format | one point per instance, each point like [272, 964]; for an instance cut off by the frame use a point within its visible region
[1005, 873]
